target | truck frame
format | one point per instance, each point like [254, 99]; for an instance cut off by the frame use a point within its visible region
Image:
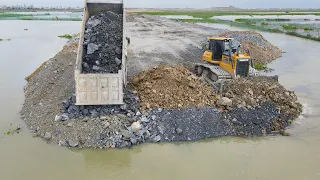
[100, 89]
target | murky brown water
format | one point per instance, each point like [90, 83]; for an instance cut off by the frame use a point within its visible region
[23, 157]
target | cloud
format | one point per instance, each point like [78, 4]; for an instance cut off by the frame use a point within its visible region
[183, 3]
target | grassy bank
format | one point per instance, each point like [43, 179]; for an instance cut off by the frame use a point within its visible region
[34, 18]
[4, 15]
[211, 14]
[252, 26]
[66, 36]
[29, 17]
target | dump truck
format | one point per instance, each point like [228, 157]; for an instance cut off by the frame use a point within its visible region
[101, 88]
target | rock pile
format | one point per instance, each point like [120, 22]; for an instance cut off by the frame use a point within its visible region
[172, 87]
[260, 49]
[254, 91]
[70, 111]
[102, 45]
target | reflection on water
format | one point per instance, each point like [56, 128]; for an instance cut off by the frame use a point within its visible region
[23, 157]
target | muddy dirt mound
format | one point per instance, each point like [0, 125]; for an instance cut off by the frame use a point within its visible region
[260, 49]
[172, 87]
[255, 91]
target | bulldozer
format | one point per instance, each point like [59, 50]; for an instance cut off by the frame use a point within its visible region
[224, 59]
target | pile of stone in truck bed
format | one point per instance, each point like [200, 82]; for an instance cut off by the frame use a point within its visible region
[102, 47]
[172, 87]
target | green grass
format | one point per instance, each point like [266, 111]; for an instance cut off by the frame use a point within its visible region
[246, 21]
[49, 19]
[66, 36]
[278, 20]
[262, 67]
[2, 15]
[308, 29]
[303, 36]
[197, 20]
[1, 39]
[251, 27]
[27, 18]
[210, 14]
[265, 24]
[289, 27]
[275, 30]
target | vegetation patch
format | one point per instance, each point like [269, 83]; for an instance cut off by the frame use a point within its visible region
[308, 29]
[262, 67]
[197, 20]
[246, 21]
[27, 18]
[209, 14]
[14, 131]
[2, 15]
[308, 36]
[278, 19]
[5, 39]
[66, 36]
[243, 23]
[275, 31]
[289, 27]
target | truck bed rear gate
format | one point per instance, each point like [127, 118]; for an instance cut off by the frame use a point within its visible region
[100, 89]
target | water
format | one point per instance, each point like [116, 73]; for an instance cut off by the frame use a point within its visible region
[23, 157]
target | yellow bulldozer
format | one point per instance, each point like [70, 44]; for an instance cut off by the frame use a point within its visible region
[224, 61]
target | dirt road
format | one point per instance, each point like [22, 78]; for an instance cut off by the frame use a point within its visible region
[157, 40]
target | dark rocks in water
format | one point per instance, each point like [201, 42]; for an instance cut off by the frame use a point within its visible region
[72, 143]
[118, 130]
[47, 136]
[72, 111]
[179, 131]
[102, 47]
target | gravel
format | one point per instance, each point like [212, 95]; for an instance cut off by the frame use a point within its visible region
[260, 49]
[70, 111]
[103, 43]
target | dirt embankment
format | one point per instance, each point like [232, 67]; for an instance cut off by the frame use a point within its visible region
[260, 49]
[172, 87]
[50, 113]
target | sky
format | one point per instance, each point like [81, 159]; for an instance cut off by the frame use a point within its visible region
[181, 3]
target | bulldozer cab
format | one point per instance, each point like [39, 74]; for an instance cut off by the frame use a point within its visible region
[217, 47]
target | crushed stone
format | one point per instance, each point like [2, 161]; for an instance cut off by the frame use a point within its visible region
[261, 51]
[102, 45]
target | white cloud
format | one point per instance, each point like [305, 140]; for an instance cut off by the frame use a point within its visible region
[183, 3]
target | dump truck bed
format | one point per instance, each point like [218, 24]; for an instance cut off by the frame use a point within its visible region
[100, 89]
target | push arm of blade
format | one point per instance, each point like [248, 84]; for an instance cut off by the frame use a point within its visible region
[231, 57]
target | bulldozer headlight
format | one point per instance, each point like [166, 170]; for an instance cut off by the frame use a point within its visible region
[242, 60]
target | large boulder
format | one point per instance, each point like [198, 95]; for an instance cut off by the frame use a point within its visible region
[224, 101]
